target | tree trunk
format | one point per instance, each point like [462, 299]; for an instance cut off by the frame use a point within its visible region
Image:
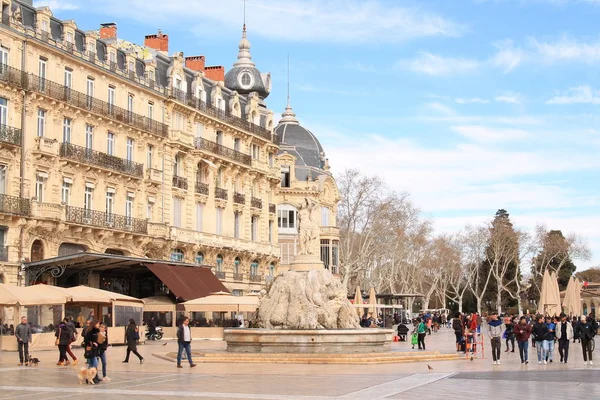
[520, 305]
[499, 301]
[479, 305]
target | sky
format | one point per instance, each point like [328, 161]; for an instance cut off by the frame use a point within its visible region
[468, 105]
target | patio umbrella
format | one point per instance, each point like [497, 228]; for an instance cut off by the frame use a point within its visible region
[358, 301]
[576, 300]
[567, 301]
[372, 302]
[544, 293]
[553, 306]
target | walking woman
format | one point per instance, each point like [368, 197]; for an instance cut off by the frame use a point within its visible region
[102, 346]
[509, 334]
[586, 334]
[132, 336]
[421, 332]
[63, 338]
[522, 332]
[90, 342]
[458, 328]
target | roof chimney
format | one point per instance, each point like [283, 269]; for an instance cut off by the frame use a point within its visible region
[158, 42]
[216, 73]
[195, 63]
[108, 31]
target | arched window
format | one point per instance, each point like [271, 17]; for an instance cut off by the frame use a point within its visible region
[178, 83]
[286, 218]
[177, 255]
[272, 269]
[220, 177]
[178, 166]
[593, 308]
[202, 173]
[585, 309]
[236, 265]
[254, 268]
[219, 262]
[200, 258]
[37, 250]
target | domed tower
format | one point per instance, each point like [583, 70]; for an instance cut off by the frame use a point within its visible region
[305, 174]
[244, 77]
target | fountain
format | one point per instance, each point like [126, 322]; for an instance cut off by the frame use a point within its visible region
[306, 309]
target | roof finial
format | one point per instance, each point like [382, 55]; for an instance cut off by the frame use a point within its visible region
[244, 15]
[288, 81]
[244, 58]
[288, 116]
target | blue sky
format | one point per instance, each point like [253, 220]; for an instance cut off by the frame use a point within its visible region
[468, 105]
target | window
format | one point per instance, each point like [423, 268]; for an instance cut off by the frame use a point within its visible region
[270, 231]
[219, 220]
[178, 121]
[113, 56]
[111, 98]
[130, 103]
[65, 194]
[254, 268]
[199, 129]
[90, 91]
[236, 265]
[66, 130]
[177, 212]
[286, 218]
[177, 165]
[149, 210]
[325, 253]
[150, 110]
[130, 149]
[129, 208]
[3, 169]
[237, 292]
[4, 57]
[177, 255]
[236, 144]
[285, 176]
[288, 252]
[335, 256]
[200, 258]
[68, 78]
[272, 269]
[42, 74]
[236, 225]
[255, 151]
[246, 80]
[110, 143]
[149, 154]
[40, 183]
[178, 83]
[130, 66]
[254, 228]
[110, 203]
[202, 174]
[88, 197]
[3, 111]
[219, 262]
[89, 136]
[219, 137]
[41, 123]
[324, 216]
[219, 177]
[199, 216]
[271, 159]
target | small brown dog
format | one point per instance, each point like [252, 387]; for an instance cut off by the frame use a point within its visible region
[33, 361]
[87, 374]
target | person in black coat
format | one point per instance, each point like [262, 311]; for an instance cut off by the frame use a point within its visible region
[586, 330]
[132, 336]
[63, 339]
[90, 341]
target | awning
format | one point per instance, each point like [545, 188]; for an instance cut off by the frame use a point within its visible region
[158, 304]
[86, 294]
[31, 295]
[187, 283]
[222, 302]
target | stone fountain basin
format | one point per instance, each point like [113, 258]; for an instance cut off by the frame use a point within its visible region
[368, 340]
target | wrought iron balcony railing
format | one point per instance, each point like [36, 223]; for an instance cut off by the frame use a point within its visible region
[220, 274]
[272, 208]
[14, 205]
[238, 276]
[92, 157]
[215, 148]
[221, 193]
[12, 75]
[84, 216]
[4, 253]
[255, 278]
[256, 202]
[180, 182]
[202, 188]
[239, 198]
[225, 116]
[11, 135]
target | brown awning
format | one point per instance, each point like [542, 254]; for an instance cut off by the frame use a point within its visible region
[187, 283]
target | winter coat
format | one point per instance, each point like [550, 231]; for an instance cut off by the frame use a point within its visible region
[91, 341]
[559, 331]
[586, 330]
[539, 331]
[551, 334]
[63, 334]
[457, 326]
[180, 334]
[23, 333]
[104, 345]
[495, 328]
[522, 332]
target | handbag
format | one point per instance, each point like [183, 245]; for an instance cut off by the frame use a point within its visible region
[136, 335]
[57, 341]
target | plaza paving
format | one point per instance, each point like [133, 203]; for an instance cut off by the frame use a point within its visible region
[159, 379]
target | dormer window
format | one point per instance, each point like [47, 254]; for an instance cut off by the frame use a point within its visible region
[44, 25]
[246, 80]
[69, 37]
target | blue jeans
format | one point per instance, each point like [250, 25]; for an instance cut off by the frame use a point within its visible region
[523, 350]
[540, 345]
[188, 352]
[103, 359]
[549, 348]
[92, 362]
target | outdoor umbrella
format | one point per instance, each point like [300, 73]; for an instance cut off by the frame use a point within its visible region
[544, 293]
[358, 301]
[576, 301]
[372, 302]
[567, 301]
[553, 306]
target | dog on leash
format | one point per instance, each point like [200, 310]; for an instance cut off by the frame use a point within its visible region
[87, 374]
[33, 361]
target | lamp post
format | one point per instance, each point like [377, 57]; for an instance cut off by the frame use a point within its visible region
[488, 303]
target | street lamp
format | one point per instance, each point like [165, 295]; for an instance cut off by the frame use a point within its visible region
[489, 304]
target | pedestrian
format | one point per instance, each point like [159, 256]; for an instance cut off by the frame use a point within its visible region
[564, 334]
[184, 339]
[23, 335]
[495, 330]
[102, 347]
[72, 339]
[586, 334]
[549, 339]
[509, 334]
[132, 336]
[576, 330]
[458, 328]
[522, 332]
[63, 338]
[90, 342]
[421, 333]
[540, 329]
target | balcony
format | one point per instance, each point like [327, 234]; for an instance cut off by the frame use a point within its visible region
[215, 148]
[220, 274]
[201, 188]
[91, 104]
[239, 198]
[11, 75]
[45, 147]
[84, 216]
[272, 208]
[221, 193]
[154, 175]
[14, 205]
[255, 202]
[330, 231]
[99, 159]
[3, 253]
[238, 276]
[224, 116]
[10, 135]
[256, 278]
[180, 182]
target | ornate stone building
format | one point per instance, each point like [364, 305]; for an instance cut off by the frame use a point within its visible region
[305, 174]
[111, 147]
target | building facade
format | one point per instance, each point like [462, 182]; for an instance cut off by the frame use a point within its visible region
[111, 147]
[305, 173]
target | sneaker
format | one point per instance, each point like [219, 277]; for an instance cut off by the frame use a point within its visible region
[513, 350]
[192, 365]
[179, 366]
[498, 362]
[526, 362]
[585, 363]
[551, 361]
[545, 362]
[75, 362]
[494, 362]
[125, 362]
[106, 379]
[539, 363]
[591, 362]
[141, 360]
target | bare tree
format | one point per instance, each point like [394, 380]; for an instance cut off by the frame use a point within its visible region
[474, 241]
[458, 276]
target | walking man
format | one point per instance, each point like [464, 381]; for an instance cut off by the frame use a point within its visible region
[184, 338]
[495, 328]
[23, 335]
[586, 333]
[522, 332]
[540, 329]
[564, 334]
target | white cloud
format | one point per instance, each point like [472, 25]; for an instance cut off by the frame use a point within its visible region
[509, 98]
[329, 90]
[436, 65]
[507, 56]
[56, 5]
[480, 133]
[567, 49]
[440, 108]
[473, 100]
[340, 21]
[577, 95]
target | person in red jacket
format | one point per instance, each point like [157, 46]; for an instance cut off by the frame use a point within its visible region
[522, 332]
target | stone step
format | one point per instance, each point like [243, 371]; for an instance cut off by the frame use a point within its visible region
[321, 355]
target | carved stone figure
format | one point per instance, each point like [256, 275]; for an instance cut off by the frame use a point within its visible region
[308, 223]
